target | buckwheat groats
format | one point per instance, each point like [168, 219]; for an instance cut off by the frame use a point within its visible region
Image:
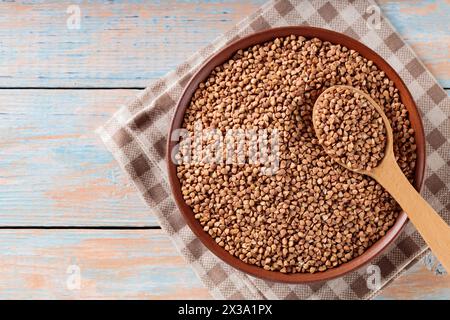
[312, 214]
[350, 129]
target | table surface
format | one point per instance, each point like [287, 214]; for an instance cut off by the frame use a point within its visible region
[67, 212]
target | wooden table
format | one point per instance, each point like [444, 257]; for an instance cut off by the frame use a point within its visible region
[66, 209]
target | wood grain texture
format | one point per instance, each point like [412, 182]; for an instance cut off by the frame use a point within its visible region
[115, 264]
[130, 265]
[119, 44]
[54, 169]
[129, 44]
[418, 283]
[424, 25]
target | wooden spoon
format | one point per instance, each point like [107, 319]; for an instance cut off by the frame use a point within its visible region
[431, 226]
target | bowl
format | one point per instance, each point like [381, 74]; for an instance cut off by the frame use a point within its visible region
[224, 55]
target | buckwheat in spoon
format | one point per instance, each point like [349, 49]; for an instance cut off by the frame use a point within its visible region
[356, 133]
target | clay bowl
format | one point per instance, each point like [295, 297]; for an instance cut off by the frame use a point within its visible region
[221, 57]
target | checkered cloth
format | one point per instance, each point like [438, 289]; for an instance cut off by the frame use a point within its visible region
[137, 133]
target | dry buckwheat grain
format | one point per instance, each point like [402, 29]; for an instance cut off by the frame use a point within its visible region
[313, 214]
[350, 129]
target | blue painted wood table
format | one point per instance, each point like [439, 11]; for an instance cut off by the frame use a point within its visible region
[71, 226]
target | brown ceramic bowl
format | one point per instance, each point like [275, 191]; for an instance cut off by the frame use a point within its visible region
[221, 57]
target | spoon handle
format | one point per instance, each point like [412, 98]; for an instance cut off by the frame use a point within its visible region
[431, 226]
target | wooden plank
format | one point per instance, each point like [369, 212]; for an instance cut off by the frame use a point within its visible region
[425, 25]
[125, 264]
[118, 44]
[122, 44]
[54, 169]
[418, 283]
[115, 264]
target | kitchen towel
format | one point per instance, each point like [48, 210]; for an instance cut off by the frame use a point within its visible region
[136, 135]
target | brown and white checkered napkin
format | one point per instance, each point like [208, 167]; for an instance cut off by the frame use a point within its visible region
[136, 135]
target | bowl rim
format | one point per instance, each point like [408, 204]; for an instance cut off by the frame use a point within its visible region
[224, 55]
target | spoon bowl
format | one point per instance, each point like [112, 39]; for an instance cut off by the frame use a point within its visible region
[388, 174]
[389, 150]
